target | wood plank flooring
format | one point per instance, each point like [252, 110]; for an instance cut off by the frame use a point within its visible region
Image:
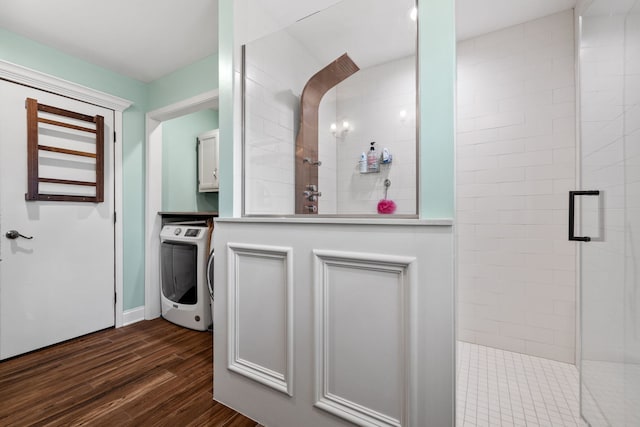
[151, 373]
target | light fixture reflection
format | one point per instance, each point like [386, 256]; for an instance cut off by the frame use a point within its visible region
[339, 132]
[414, 14]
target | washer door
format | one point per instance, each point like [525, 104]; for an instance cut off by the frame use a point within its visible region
[178, 272]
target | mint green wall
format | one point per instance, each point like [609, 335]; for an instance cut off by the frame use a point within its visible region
[437, 89]
[182, 84]
[180, 163]
[437, 65]
[194, 79]
[225, 66]
[28, 53]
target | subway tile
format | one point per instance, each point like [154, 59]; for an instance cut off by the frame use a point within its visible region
[551, 321]
[499, 147]
[566, 94]
[509, 36]
[503, 203]
[546, 201]
[488, 230]
[477, 163]
[526, 188]
[543, 217]
[465, 151]
[553, 352]
[478, 190]
[500, 120]
[527, 101]
[538, 246]
[535, 125]
[529, 333]
[552, 292]
[475, 137]
[465, 203]
[499, 175]
[564, 338]
[506, 343]
[535, 158]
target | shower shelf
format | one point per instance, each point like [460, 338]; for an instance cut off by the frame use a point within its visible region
[380, 168]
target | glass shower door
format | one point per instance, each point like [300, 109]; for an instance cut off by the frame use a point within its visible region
[610, 262]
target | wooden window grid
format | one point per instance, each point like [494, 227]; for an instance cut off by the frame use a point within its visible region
[33, 149]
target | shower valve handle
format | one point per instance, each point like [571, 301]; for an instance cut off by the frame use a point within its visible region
[309, 194]
[14, 234]
[311, 162]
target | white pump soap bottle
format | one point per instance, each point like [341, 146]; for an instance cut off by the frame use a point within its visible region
[363, 163]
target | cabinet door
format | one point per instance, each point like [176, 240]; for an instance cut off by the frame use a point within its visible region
[208, 161]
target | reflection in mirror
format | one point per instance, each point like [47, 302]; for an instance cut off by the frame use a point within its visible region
[329, 113]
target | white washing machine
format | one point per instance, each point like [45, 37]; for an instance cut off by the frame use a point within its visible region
[184, 295]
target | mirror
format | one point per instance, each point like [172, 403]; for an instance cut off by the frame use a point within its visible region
[318, 95]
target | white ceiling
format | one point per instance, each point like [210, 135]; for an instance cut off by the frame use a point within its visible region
[370, 31]
[147, 39]
[142, 39]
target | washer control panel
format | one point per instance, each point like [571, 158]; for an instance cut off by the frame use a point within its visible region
[186, 232]
[192, 232]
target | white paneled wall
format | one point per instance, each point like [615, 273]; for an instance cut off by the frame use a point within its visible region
[515, 165]
[372, 100]
[351, 327]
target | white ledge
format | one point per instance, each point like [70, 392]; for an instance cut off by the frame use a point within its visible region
[341, 220]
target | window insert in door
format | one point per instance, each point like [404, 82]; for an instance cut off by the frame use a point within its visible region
[69, 161]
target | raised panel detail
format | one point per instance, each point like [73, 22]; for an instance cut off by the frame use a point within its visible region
[260, 314]
[364, 343]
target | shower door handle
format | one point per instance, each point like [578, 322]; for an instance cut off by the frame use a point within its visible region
[572, 208]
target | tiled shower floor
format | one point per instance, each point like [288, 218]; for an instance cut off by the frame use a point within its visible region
[501, 388]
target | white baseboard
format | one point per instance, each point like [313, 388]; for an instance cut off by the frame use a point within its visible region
[132, 315]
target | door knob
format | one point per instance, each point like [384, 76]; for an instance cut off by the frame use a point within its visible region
[14, 234]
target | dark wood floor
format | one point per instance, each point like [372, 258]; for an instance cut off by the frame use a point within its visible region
[152, 373]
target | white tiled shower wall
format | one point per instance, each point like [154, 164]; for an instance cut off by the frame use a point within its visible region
[277, 69]
[515, 164]
[327, 153]
[372, 100]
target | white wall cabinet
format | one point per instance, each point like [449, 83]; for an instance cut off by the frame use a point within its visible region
[208, 161]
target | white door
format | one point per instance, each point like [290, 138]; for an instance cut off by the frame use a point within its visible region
[60, 284]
